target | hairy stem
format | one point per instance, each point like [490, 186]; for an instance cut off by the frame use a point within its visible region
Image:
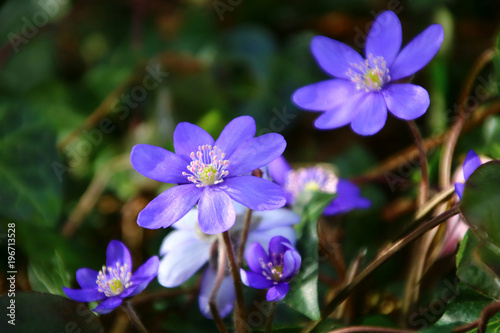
[221, 268]
[244, 237]
[270, 317]
[127, 308]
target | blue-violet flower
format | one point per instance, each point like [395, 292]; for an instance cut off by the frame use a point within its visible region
[274, 270]
[210, 173]
[471, 163]
[363, 89]
[115, 281]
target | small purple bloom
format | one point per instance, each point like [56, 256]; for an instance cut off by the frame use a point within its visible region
[211, 174]
[363, 89]
[471, 163]
[115, 281]
[318, 178]
[274, 270]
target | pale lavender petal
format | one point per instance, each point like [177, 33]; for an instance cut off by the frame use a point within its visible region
[144, 274]
[180, 264]
[215, 211]
[281, 217]
[348, 198]
[459, 189]
[417, 53]
[188, 137]
[471, 163]
[255, 153]
[341, 115]
[371, 116]
[277, 292]
[405, 100]
[384, 38]
[178, 240]
[278, 169]
[86, 278]
[225, 297]
[188, 222]
[255, 255]
[254, 192]
[84, 295]
[158, 164]
[235, 133]
[117, 252]
[255, 280]
[324, 95]
[263, 237]
[108, 305]
[334, 57]
[169, 207]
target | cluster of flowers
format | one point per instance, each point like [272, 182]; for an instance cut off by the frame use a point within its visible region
[215, 181]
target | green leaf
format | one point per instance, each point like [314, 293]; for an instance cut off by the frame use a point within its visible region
[36, 312]
[31, 189]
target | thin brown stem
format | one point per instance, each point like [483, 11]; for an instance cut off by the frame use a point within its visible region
[127, 308]
[212, 300]
[381, 259]
[240, 324]
[374, 329]
[481, 324]
[423, 190]
[244, 237]
[270, 317]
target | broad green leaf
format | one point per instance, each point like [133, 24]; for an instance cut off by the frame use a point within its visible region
[37, 312]
[31, 188]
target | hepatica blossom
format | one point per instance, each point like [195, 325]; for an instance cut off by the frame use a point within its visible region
[210, 173]
[318, 178]
[364, 88]
[471, 163]
[273, 270]
[186, 249]
[115, 281]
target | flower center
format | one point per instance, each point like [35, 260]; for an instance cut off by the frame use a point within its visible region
[314, 179]
[208, 166]
[113, 281]
[273, 270]
[371, 74]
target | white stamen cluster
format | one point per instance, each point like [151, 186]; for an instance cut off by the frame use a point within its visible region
[311, 179]
[208, 166]
[113, 281]
[371, 74]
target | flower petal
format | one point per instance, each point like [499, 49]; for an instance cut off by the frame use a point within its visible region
[348, 198]
[215, 211]
[334, 57]
[263, 237]
[177, 239]
[254, 192]
[255, 153]
[417, 53]
[471, 163]
[181, 263]
[188, 137]
[117, 252]
[254, 280]
[108, 305]
[169, 207]
[278, 170]
[274, 218]
[144, 274]
[406, 101]
[291, 263]
[188, 222]
[341, 115]
[158, 164]
[225, 298]
[371, 116]
[277, 292]
[255, 255]
[384, 38]
[459, 189]
[235, 133]
[87, 278]
[324, 95]
[276, 245]
[84, 295]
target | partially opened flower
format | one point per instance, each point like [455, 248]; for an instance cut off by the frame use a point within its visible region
[318, 178]
[211, 174]
[471, 163]
[115, 281]
[273, 270]
[186, 249]
[364, 88]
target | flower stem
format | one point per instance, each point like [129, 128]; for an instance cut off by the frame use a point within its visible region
[372, 329]
[221, 268]
[240, 324]
[244, 237]
[270, 317]
[378, 261]
[127, 308]
[423, 190]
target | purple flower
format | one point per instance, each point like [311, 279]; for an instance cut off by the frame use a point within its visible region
[186, 249]
[210, 173]
[273, 271]
[115, 281]
[471, 163]
[317, 178]
[363, 89]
